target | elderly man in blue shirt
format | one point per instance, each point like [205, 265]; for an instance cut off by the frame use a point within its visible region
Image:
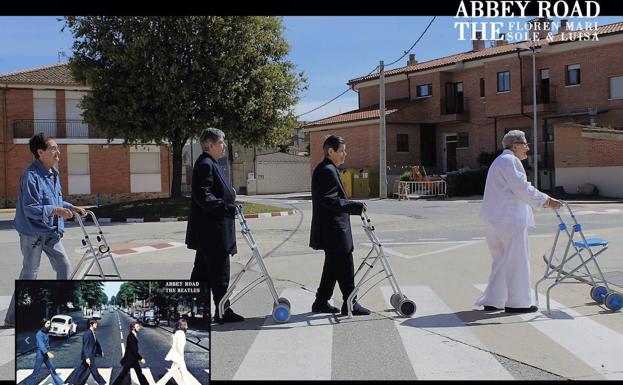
[40, 214]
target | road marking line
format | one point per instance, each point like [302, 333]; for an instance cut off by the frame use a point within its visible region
[435, 357]
[399, 254]
[291, 350]
[433, 239]
[599, 347]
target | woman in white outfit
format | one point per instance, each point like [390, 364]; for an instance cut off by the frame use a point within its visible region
[178, 369]
[507, 211]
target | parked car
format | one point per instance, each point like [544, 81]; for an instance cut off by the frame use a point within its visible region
[136, 314]
[97, 314]
[62, 326]
[149, 318]
[110, 309]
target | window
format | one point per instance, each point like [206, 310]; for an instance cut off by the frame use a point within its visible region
[616, 87]
[504, 81]
[402, 141]
[145, 162]
[463, 139]
[424, 90]
[482, 87]
[573, 74]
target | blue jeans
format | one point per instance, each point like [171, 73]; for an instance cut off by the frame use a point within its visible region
[32, 246]
[39, 361]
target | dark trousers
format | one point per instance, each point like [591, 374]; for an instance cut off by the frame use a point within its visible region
[41, 359]
[338, 267]
[214, 267]
[126, 370]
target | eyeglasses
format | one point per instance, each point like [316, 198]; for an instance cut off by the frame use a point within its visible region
[525, 143]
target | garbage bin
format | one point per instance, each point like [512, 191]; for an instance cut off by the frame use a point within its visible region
[347, 180]
[361, 184]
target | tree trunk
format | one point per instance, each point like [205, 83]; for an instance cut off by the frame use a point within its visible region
[176, 185]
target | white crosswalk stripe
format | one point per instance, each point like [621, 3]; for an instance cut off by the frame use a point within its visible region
[435, 357]
[595, 344]
[22, 374]
[277, 352]
[63, 373]
[437, 342]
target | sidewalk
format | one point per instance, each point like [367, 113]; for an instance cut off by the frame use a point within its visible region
[199, 337]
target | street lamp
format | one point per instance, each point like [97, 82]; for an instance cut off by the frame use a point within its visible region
[535, 149]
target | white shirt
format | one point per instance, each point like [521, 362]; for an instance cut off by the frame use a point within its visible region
[176, 354]
[509, 197]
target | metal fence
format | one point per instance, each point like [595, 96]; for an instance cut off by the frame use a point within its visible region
[408, 189]
[26, 128]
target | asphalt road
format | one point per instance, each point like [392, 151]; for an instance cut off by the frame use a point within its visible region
[440, 260]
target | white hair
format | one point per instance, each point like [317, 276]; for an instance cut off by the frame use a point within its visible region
[210, 135]
[513, 136]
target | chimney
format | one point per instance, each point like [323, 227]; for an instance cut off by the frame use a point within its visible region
[539, 28]
[478, 44]
[501, 41]
[412, 60]
[564, 26]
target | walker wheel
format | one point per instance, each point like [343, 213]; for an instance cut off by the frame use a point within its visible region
[281, 313]
[283, 301]
[613, 301]
[103, 249]
[407, 308]
[394, 300]
[84, 243]
[598, 293]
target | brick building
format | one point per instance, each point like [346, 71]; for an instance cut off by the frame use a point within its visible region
[46, 99]
[444, 113]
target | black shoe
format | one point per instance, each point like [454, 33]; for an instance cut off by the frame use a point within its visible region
[530, 309]
[323, 307]
[491, 308]
[357, 309]
[229, 316]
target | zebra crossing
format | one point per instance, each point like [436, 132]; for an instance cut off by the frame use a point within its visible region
[437, 343]
[107, 374]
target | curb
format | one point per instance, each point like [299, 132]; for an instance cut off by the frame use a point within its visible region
[179, 219]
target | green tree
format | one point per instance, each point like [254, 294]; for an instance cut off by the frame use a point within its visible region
[164, 79]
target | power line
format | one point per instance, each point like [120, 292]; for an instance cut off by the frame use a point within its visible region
[374, 70]
[322, 105]
[417, 41]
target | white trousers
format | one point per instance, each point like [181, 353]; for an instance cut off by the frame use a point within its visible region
[179, 373]
[509, 282]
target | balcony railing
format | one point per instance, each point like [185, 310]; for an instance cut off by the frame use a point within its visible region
[26, 128]
[454, 105]
[544, 94]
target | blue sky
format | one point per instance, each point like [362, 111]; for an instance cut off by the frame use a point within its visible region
[112, 288]
[330, 50]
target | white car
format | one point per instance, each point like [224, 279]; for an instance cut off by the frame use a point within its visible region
[62, 326]
[97, 314]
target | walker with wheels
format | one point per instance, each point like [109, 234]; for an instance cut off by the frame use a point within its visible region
[586, 250]
[93, 255]
[399, 301]
[281, 306]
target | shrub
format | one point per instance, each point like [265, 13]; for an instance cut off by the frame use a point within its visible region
[470, 182]
[407, 176]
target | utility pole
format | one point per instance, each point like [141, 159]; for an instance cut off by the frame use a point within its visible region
[382, 135]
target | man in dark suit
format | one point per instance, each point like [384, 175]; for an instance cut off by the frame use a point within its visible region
[211, 228]
[330, 229]
[131, 358]
[90, 349]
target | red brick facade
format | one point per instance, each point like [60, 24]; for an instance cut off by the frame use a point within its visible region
[109, 165]
[486, 118]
